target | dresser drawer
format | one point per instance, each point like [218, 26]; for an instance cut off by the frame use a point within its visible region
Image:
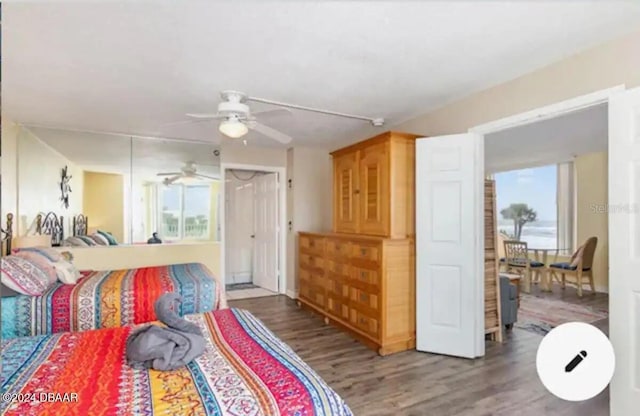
[312, 262]
[337, 308]
[366, 279]
[338, 268]
[338, 288]
[312, 295]
[364, 301]
[364, 251]
[312, 278]
[365, 323]
[311, 244]
[338, 248]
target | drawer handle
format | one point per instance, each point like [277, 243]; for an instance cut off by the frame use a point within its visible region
[363, 251]
[311, 243]
[363, 275]
[363, 297]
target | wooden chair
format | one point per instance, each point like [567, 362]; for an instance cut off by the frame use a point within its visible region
[517, 260]
[580, 266]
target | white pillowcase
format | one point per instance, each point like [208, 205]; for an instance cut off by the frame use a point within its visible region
[67, 272]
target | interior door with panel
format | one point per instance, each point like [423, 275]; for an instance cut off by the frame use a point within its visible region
[374, 189]
[265, 271]
[449, 245]
[345, 190]
[624, 249]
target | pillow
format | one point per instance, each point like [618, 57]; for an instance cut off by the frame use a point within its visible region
[74, 242]
[100, 239]
[21, 275]
[112, 241]
[67, 272]
[49, 253]
[88, 240]
[41, 262]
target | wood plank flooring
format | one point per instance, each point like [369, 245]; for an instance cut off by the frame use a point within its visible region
[411, 383]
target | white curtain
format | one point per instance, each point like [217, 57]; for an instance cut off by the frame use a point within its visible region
[566, 204]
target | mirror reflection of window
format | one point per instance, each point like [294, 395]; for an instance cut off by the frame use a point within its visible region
[176, 191]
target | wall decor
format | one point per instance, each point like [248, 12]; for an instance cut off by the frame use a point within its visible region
[65, 188]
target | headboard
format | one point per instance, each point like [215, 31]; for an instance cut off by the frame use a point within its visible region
[80, 225]
[6, 235]
[51, 224]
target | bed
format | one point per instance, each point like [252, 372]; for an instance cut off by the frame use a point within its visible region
[106, 299]
[245, 370]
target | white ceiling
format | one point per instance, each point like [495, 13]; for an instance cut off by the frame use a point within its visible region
[118, 154]
[548, 141]
[134, 66]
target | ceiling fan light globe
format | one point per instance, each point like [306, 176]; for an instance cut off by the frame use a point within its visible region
[233, 128]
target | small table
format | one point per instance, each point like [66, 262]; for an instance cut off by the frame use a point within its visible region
[542, 255]
[514, 279]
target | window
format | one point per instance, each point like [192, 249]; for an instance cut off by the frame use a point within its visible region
[184, 211]
[536, 205]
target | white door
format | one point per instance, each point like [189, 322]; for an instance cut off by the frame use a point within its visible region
[624, 250]
[449, 245]
[239, 226]
[265, 271]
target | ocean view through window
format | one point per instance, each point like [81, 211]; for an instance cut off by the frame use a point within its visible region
[528, 205]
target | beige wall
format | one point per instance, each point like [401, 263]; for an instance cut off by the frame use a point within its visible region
[592, 219]
[613, 63]
[132, 256]
[104, 202]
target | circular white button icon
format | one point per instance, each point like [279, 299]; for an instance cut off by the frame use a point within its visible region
[575, 361]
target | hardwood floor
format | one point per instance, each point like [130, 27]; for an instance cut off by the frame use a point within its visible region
[504, 382]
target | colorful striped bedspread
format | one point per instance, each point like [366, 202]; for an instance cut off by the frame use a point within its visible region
[107, 299]
[245, 370]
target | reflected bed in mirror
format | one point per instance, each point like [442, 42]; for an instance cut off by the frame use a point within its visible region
[121, 188]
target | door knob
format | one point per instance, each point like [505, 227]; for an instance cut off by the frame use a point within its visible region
[253, 236]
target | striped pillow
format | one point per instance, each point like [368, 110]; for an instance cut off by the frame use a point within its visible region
[23, 276]
[41, 262]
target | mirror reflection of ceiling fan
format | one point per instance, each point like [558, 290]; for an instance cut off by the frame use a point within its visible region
[187, 171]
[237, 119]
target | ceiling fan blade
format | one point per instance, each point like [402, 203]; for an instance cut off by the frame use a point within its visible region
[169, 181]
[169, 174]
[206, 177]
[269, 132]
[272, 112]
[206, 116]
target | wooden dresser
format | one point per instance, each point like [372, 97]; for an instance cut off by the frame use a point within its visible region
[361, 276]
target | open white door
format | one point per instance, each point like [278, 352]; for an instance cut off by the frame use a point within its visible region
[449, 245]
[624, 250]
[265, 271]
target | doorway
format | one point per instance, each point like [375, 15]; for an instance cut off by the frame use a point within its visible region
[454, 223]
[252, 233]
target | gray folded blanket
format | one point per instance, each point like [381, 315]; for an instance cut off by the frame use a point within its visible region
[167, 348]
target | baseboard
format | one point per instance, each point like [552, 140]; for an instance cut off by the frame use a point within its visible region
[292, 294]
[602, 289]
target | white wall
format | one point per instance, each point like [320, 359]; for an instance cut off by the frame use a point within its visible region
[9, 192]
[38, 178]
[310, 199]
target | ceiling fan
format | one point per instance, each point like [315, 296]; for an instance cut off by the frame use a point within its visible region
[237, 119]
[187, 171]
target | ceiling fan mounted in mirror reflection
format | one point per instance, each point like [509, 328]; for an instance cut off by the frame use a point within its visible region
[237, 119]
[188, 171]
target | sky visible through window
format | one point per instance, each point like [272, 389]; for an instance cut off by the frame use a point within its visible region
[535, 187]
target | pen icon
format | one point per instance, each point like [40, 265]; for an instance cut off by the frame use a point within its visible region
[576, 360]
